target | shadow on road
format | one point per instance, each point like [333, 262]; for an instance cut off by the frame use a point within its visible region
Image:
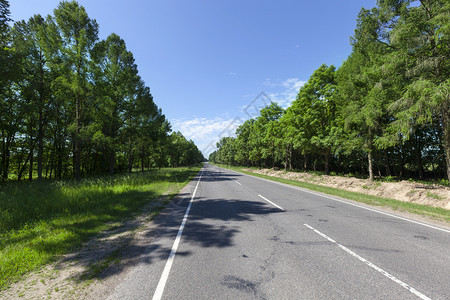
[211, 223]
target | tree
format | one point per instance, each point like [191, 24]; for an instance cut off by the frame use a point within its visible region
[242, 142]
[265, 131]
[365, 90]
[316, 108]
[115, 79]
[79, 34]
[421, 40]
[31, 41]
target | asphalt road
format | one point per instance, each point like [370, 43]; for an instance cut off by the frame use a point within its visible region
[247, 238]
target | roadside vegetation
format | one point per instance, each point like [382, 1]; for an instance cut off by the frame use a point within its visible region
[384, 113]
[434, 212]
[74, 106]
[41, 220]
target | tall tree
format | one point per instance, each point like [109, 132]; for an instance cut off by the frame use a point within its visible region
[365, 90]
[317, 109]
[79, 34]
[31, 41]
[420, 36]
[115, 79]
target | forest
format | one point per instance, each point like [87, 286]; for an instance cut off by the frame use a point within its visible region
[72, 105]
[385, 112]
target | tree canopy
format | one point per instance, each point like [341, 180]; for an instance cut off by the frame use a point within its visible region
[72, 105]
[384, 112]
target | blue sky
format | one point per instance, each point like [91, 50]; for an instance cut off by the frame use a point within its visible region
[207, 60]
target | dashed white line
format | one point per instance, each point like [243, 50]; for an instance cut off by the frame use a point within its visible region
[271, 202]
[237, 182]
[165, 275]
[346, 202]
[392, 277]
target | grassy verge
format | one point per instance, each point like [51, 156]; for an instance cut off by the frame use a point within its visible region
[41, 220]
[434, 212]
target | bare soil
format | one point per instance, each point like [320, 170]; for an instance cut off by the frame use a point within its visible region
[432, 195]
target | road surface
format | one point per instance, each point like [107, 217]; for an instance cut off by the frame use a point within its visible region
[234, 236]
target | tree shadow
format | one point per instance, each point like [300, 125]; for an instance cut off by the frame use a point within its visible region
[220, 177]
[211, 223]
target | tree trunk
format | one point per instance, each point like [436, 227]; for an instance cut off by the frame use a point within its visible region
[386, 163]
[21, 169]
[327, 161]
[369, 155]
[5, 158]
[112, 161]
[30, 170]
[286, 155]
[40, 140]
[305, 162]
[50, 165]
[290, 158]
[41, 122]
[418, 155]
[402, 163]
[130, 156]
[446, 125]
[273, 155]
[59, 167]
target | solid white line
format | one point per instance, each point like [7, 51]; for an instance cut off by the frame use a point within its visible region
[237, 182]
[271, 202]
[165, 275]
[349, 203]
[392, 277]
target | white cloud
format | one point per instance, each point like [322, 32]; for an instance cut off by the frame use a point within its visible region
[206, 132]
[283, 92]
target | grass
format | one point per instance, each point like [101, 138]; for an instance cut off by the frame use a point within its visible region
[435, 212]
[434, 196]
[41, 220]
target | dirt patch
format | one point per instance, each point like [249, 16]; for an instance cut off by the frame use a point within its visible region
[432, 195]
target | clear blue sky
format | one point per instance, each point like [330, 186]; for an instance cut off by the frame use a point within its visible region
[206, 60]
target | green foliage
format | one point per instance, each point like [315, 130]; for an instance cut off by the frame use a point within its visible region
[385, 111]
[71, 105]
[183, 152]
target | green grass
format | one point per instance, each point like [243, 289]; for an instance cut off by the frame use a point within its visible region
[434, 196]
[435, 212]
[41, 220]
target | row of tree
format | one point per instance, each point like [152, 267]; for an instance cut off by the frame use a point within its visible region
[385, 111]
[72, 105]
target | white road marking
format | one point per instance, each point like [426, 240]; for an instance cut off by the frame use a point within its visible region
[165, 275]
[392, 277]
[237, 182]
[346, 202]
[272, 203]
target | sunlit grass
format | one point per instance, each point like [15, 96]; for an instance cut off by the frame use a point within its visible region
[41, 220]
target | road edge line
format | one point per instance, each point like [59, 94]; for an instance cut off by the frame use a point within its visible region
[343, 201]
[165, 274]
